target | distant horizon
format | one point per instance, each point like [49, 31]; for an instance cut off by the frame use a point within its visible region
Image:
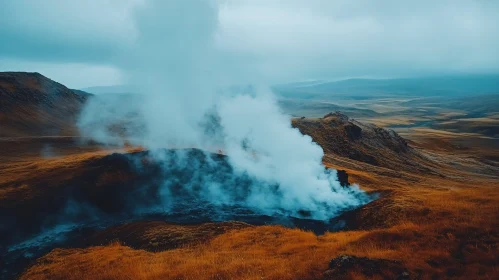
[309, 82]
[265, 41]
[291, 82]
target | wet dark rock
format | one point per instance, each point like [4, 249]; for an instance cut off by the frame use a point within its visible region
[343, 266]
[343, 178]
[353, 131]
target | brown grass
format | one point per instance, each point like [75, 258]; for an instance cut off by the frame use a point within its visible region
[442, 225]
[268, 253]
[442, 228]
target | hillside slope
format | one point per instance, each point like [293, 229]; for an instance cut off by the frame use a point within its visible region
[341, 136]
[34, 105]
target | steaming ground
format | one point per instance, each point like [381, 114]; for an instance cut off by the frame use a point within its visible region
[183, 186]
[195, 94]
[77, 191]
[261, 146]
[188, 186]
[271, 174]
[410, 212]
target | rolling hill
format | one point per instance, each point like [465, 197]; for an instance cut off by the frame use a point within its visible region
[34, 105]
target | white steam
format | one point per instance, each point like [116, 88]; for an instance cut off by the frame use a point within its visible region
[189, 98]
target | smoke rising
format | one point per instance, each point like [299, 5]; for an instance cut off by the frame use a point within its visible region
[194, 94]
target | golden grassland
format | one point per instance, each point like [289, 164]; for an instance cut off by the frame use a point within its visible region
[441, 225]
[16, 177]
[437, 227]
[393, 120]
[430, 132]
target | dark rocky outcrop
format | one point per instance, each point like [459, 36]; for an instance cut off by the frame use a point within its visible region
[160, 235]
[341, 136]
[343, 178]
[344, 267]
[121, 187]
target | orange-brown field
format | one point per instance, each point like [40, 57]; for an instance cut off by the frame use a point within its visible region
[450, 233]
[442, 225]
[436, 217]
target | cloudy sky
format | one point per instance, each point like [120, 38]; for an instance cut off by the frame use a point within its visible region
[86, 43]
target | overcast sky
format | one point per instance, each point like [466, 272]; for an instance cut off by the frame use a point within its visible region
[81, 43]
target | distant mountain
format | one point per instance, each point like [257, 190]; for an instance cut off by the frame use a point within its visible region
[431, 86]
[308, 108]
[477, 104]
[34, 105]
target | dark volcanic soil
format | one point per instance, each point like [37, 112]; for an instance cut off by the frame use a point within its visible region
[68, 206]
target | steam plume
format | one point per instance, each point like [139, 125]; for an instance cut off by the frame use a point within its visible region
[189, 99]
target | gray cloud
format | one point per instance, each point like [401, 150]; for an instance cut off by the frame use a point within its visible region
[65, 31]
[374, 38]
[73, 75]
[284, 40]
